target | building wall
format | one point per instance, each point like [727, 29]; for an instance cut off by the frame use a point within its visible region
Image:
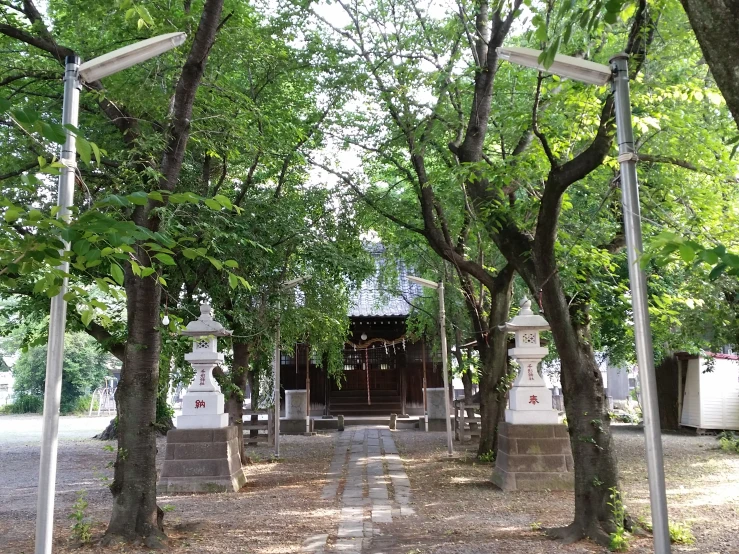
[691, 416]
[719, 394]
[395, 369]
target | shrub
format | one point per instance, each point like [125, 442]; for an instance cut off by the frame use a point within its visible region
[25, 404]
[81, 529]
[82, 405]
[488, 456]
[680, 533]
[729, 441]
[619, 538]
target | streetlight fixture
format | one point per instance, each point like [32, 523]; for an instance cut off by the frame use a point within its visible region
[285, 285]
[618, 75]
[74, 75]
[444, 354]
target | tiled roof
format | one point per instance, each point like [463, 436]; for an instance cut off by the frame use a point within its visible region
[376, 299]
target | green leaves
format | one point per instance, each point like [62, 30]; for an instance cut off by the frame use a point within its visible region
[117, 273]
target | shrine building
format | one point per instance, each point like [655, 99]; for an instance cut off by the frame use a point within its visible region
[384, 372]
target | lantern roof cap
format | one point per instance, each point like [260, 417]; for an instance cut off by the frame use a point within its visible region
[205, 325]
[526, 319]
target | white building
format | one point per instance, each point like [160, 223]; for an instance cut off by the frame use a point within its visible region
[710, 397]
[6, 387]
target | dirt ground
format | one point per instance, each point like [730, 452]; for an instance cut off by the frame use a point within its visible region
[458, 509]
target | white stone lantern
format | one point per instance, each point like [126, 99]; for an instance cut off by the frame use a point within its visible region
[530, 401]
[202, 404]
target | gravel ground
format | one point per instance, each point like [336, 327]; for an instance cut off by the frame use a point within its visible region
[278, 509]
[458, 510]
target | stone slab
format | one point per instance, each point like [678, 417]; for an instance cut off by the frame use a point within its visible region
[533, 481]
[533, 457]
[202, 421]
[528, 431]
[436, 425]
[201, 460]
[531, 417]
[293, 426]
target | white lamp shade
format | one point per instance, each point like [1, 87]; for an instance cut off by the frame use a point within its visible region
[423, 282]
[120, 59]
[294, 282]
[564, 66]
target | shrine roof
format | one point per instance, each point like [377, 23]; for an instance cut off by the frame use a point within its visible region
[388, 292]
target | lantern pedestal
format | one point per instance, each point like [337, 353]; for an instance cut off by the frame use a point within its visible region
[436, 409]
[533, 458]
[202, 454]
[202, 460]
[296, 421]
[533, 447]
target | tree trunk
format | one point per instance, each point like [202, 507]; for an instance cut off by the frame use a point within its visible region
[464, 371]
[587, 413]
[236, 392]
[716, 26]
[493, 349]
[134, 484]
[253, 381]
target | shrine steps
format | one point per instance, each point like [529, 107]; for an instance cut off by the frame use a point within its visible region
[354, 403]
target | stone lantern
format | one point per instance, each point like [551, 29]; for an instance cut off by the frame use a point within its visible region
[533, 447]
[202, 405]
[203, 452]
[530, 399]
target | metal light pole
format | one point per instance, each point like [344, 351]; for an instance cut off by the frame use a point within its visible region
[276, 371]
[617, 74]
[57, 323]
[74, 74]
[444, 355]
[276, 385]
[642, 332]
[445, 370]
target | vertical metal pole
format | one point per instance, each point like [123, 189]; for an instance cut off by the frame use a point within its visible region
[423, 358]
[680, 391]
[445, 370]
[277, 383]
[642, 331]
[57, 324]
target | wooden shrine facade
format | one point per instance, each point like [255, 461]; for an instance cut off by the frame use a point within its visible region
[383, 372]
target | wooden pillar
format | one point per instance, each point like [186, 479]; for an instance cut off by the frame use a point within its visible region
[367, 369]
[402, 389]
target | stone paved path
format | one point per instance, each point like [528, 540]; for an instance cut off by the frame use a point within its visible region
[368, 474]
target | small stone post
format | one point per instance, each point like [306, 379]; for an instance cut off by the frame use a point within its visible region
[533, 447]
[393, 421]
[340, 420]
[202, 454]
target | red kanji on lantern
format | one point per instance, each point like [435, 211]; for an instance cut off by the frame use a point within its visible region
[200, 404]
[533, 399]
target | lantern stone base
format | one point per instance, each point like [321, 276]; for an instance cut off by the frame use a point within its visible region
[201, 460]
[533, 458]
[436, 425]
[531, 417]
[294, 426]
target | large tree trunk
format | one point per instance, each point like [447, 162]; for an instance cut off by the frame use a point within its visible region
[253, 381]
[134, 485]
[135, 513]
[464, 371]
[493, 349]
[586, 409]
[236, 392]
[716, 26]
